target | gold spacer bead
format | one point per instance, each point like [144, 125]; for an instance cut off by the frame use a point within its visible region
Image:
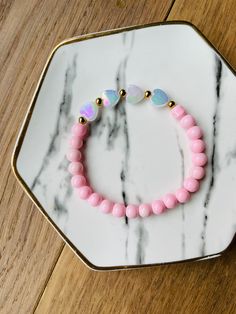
[122, 92]
[171, 104]
[147, 94]
[99, 101]
[82, 120]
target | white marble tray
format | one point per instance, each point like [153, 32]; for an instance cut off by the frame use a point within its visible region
[135, 153]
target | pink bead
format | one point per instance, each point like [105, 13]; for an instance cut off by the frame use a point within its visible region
[76, 142]
[75, 167]
[94, 199]
[106, 206]
[118, 210]
[194, 132]
[132, 211]
[198, 173]
[199, 159]
[73, 155]
[182, 195]
[84, 192]
[77, 181]
[145, 210]
[158, 207]
[187, 121]
[170, 200]
[178, 112]
[197, 146]
[79, 130]
[191, 184]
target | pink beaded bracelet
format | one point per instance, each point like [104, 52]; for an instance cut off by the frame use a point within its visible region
[89, 111]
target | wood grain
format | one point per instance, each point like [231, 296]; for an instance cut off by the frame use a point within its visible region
[29, 247]
[215, 18]
[201, 287]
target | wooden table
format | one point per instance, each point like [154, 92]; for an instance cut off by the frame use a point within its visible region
[38, 272]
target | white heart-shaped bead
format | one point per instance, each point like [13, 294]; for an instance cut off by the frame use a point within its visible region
[89, 111]
[134, 94]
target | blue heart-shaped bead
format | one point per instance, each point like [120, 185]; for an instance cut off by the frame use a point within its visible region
[159, 98]
[110, 98]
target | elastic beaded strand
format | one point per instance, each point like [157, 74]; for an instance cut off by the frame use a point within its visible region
[182, 195]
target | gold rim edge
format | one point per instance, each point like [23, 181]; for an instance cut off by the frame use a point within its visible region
[27, 118]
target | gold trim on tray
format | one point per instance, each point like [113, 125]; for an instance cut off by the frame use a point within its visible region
[27, 120]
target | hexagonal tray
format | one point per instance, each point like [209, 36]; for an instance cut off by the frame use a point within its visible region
[134, 153]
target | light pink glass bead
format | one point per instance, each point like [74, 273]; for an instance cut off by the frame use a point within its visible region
[106, 206]
[73, 155]
[158, 207]
[182, 195]
[79, 130]
[95, 199]
[199, 159]
[76, 142]
[191, 184]
[145, 210]
[187, 121]
[198, 172]
[84, 192]
[132, 211]
[178, 112]
[77, 181]
[75, 167]
[194, 133]
[197, 146]
[118, 210]
[170, 200]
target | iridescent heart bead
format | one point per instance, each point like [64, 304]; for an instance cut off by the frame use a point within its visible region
[89, 111]
[110, 98]
[159, 98]
[134, 94]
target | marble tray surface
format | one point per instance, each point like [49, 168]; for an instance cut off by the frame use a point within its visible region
[135, 153]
